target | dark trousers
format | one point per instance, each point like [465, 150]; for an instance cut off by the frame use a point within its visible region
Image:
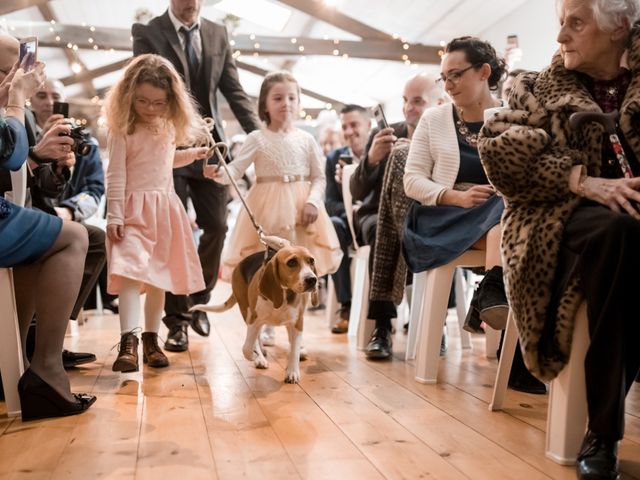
[210, 203]
[382, 311]
[93, 264]
[342, 276]
[603, 247]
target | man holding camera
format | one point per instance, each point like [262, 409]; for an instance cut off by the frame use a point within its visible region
[200, 52]
[78, 188]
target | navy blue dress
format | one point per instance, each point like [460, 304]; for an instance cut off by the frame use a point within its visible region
[438, 234]
[25, 234]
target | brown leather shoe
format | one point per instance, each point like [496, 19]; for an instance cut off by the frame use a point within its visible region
[127, 360]
[151, 352]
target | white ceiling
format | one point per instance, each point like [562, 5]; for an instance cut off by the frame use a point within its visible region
[349, 80]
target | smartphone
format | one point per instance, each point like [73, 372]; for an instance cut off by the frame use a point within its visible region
[378, 114]
[62, 108]
[346, 158]
[28, 52]
[512, 41]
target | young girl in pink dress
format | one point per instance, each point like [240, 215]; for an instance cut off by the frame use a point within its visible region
[150, 246]
[288, 197]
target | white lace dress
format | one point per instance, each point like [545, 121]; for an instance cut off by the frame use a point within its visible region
[277, 204]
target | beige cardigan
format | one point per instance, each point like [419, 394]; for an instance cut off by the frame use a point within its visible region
[434, 156]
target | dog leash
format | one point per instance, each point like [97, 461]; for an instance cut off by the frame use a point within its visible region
[221, 151]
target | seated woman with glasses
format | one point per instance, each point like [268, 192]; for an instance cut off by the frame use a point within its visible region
[457, 209]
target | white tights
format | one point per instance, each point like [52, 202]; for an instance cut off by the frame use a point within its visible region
[129, 305]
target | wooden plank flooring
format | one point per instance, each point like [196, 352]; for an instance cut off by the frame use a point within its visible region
[211, 414]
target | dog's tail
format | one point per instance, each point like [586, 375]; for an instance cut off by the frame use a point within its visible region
[231, 301]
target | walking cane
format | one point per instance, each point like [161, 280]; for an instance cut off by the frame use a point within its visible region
[608, 121]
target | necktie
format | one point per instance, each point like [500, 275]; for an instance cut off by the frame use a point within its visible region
[192, 58]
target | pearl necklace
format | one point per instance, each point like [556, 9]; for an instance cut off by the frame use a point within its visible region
[469, 137]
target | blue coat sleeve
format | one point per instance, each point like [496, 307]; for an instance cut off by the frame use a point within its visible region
[14, 146]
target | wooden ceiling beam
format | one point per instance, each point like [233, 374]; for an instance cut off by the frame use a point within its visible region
[333, 17]
[95, 73]
[8, 6]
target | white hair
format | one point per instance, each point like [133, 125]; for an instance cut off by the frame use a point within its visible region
[612, 14]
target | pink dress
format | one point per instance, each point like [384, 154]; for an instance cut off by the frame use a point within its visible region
[158, 246]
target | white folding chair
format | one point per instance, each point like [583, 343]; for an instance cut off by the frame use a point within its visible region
[11, 364]
[359, 327]
[567, 409]
[432, 311]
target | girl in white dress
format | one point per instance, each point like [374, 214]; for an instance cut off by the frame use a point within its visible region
[288, 197]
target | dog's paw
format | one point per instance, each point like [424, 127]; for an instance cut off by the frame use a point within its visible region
[292, 377]
[261, 363]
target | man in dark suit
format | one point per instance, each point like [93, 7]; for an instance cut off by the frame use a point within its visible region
[200, 52]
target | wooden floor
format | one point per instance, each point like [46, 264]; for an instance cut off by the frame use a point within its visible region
[212, 415]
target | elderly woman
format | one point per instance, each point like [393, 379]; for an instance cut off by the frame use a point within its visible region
[571, 229]
[42, 249]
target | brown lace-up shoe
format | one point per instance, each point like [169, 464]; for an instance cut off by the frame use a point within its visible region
[151, 352]
[127, 360]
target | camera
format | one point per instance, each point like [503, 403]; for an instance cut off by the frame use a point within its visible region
[81, 141]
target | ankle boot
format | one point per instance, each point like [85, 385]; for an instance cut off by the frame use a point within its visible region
[492, 299]
[151, 352]
[127, 360]
[472, 322]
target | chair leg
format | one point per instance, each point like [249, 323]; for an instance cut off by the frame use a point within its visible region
[462, 305]
[433, 319]
[360, 297]
[415, 315]
[11, 364]
[567, 412]
[332, 302]
[509, 345]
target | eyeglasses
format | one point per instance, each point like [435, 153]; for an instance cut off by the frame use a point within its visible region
[454, 75]
[144, 103]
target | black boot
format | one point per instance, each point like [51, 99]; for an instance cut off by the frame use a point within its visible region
[598, 459]
[492, 300]
[380, 345]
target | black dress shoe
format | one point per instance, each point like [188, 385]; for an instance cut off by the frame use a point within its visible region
[39, 400]
[200, 323]
[177, 339]
[525, 382]
[492, 299]
[379, 347]
[598, 459]
[73, 359]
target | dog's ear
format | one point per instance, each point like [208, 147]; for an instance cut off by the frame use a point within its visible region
[315, 294]
[270, 283]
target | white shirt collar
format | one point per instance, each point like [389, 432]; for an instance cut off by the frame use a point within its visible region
[177, 23]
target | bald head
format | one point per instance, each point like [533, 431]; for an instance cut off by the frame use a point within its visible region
[42, 101]
[9, 50]
[420, 93]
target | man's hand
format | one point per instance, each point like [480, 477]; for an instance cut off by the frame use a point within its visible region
[55, 143]
[64, 213]
[309, 214]
[339, 166]
[619, 194]
[381, 146]
[115, 233]
[54, 119]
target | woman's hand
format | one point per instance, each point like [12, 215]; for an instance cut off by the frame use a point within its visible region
[115, 233]
[214, 172]
[200, 153]
[476, 195]
[309, 214]
[619, 194]
[24, 84]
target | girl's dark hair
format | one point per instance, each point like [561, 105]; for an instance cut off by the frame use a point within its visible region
[477, 54]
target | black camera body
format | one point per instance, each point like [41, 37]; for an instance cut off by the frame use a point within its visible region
[81, 141]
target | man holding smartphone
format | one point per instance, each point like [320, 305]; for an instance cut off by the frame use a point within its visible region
[200, 51]
[356, 123]
[419, 93]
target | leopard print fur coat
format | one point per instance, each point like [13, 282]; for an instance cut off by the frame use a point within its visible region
[528, 152]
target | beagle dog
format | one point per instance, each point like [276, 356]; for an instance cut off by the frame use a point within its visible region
[273, 292]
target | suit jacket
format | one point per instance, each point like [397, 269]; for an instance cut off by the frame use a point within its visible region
[333, 201]
[160, 37]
